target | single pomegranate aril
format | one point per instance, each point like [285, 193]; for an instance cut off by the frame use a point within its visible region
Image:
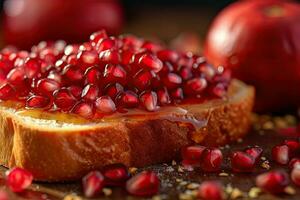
[113, 90]
[105, 104]
[168, 55]
[92, 184]
[72, 73]
[143, 79]
[98, 36]
[7, 92]
[151, 46]
[88, 58]
[143, 184]
[71, 49]
[242, 162]
[92, 75]
[55, 76]
[177, 94]
[211, 160]
[126, 56]
[192, 153]
[295, 175]
[255, 152]
[131, 42]
[32, 67]
[16, 76]
[47, 86]
[272, 182]
[211, 190]
[281, 154]
[86, 46]
[148, 61]
[127, 99]
[75, 91]
[185, 73]
[294, 146]
[36, 101]
[110, 56]
[83, 109]
[115, 174]
[114, 73]
[18, 179]
[90, 92]
[106, 43]
[172, 80]
[149, 100]
[219, 90]
[63, 99]
[195, 86]
[294, 162]
[163, 97]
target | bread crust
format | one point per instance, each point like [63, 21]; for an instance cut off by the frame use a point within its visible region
[64, 155]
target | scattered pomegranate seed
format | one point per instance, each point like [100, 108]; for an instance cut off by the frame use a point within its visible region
[63, 99]
[115, 174]
[18, 179]
[294, 146]
[127, 99]
[294, 162]
[295, 175]
[105, 104]
[192, 154]
[7, 92]
[211, 160]
[150, 62]
[93, 183]
[280, 154]
[143, 184]
[211, 190]
[36, 101]
[255, 152]
[272, 182]
[242, 162]
[84, 109]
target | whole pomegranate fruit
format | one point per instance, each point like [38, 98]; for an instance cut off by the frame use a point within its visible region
[260, 42]
[26, 22]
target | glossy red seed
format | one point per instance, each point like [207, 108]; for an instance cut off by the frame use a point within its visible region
[143, 184]
[32, 67]
[86, 46]
[113, 90]
[131, 42]
[205, 70]
[163, 97]
[255, 152]
[88, 58]
[92, 75]
[211, 190]
[126, 56]
[75, 90]
[111, 56]
[47, 86]
[84, 109]
[219, 90]
[54, 75]
[2, 77]
[71, 49]
[295, 175]
[114, 73]
[195, 86]
[149, 100]
[16, 76]
[98, 36]
[115, 174]
[294, 146]
[36, 101]
[49, 55]
[143, 79]
[242, 162]
[127, 99]
[92, 184]
[151, 46]
[6, 65]
[177, 94]
[167, 68]
[272, 182]
[192, 153]
[7, 92]
[281, 154]
[211, 160]
[185, 73]
[72, 59]
[90, 92]
[172, 80]
[73, 73]
[106, 43]
[18, 179]
[168, 55]
[63, 99]
[105, 104]
[294, 162]
[150, 62]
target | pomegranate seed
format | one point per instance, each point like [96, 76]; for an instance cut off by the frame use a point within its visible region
[47, 86]
[16, 76]
[75, 91]
[114, 73]
[113, 90]
[98, 36]
[36, 101]
[105, 104]
[6, 65]
[2, 77]
[71, 49]
[93, 183]
[295, 175]
[143, 184]
[206, 70]
[53, 75]
[150, 46]
[242, 162]
[294, 146]
[110, 56]
[168, 55]
[143, 79]
[84, 109]
[32, 67]
[63, 99]
[126, 56]
[294, 162]
[49, 55]
[18, 179]
[72, 73]
[172, 80]
[72, 59]
[115, 174]
[195, 86]
[150, 62]
[7, 92]
[4, 195]
[177, 94]
[211, 160]
[163, 97]
[149, 100]
[88, 58]
[106, 43]
[131, 42]
[86, 46]
[255, 152]
[272, 182]
[185, 73]
[211, 190]
[280, 154]
[192, 153]
[127, 99]
[92, 75]
[219, 90]
[90, 92]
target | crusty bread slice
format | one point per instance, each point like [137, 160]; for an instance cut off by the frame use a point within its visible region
[60, 147]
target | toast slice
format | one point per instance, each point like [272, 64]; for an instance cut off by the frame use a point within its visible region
[60, 147]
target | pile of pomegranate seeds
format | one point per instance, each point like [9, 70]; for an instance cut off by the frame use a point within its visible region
[106, 74]
[18, 179]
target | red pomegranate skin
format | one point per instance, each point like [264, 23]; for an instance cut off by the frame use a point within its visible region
[26, 22]
[260, 42]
